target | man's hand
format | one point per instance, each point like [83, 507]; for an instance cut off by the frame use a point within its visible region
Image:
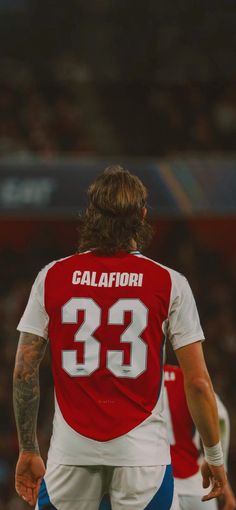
[30, 470]
[214, 476]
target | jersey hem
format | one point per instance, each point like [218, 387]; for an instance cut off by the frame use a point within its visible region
[67, 461]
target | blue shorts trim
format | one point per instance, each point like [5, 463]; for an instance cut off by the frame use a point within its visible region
[105, 503]
[164, 496]
[162, 499]
[44, 502]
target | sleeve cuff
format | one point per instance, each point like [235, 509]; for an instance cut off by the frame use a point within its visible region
[30, 329]
[187, 341]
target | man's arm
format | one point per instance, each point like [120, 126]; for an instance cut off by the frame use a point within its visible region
[202, 406]
[199, 392]
[26, 393]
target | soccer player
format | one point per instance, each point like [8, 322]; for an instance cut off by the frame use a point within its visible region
[106, 312]
[185, 446]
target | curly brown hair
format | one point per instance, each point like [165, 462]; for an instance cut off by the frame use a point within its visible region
[114, 216]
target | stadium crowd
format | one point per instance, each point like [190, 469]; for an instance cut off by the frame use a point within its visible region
[213, 283]
[67, 114]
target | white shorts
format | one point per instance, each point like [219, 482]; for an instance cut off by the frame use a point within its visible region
[84, 487]
[195, 503]
[189, 492]
[175, 500]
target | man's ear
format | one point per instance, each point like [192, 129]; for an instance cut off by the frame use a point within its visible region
[144, 211]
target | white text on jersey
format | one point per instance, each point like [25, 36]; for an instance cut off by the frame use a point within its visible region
[107, 279]
[169, 376]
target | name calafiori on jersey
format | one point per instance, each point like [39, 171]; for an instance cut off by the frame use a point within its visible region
[107, 279]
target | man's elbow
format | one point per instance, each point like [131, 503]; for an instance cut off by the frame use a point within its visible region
[199, 385]
[22, 373]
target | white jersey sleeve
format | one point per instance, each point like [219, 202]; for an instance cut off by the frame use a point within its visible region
[35, 318]
[184, 325]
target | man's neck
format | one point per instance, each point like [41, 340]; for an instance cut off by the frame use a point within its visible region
[133, 245]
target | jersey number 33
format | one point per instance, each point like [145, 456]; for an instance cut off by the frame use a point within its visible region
[86, 334]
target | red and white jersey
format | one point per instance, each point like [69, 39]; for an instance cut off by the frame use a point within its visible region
[107, 318]
[181, 429]
[184, 438]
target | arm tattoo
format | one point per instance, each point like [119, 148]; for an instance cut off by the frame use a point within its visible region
[26, 393]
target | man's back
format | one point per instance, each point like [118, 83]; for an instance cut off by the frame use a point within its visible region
[107, 318]
[105, 328]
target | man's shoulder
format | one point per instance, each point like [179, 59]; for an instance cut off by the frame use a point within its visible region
[174, 275]
[69, 259]
[53, 264]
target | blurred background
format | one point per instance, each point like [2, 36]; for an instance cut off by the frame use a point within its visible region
[148, 85]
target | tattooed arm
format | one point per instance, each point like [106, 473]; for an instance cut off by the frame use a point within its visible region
[31, 349]
[30, 467]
